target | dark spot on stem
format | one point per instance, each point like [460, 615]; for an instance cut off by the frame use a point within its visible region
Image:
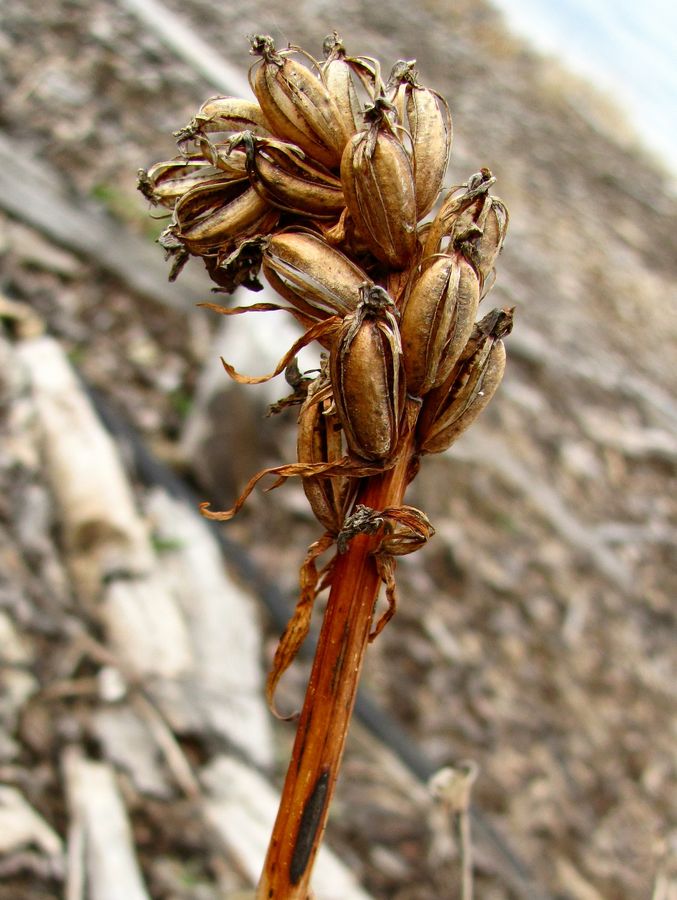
[310, 822]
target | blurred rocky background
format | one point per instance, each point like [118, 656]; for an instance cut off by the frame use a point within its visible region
[535, 634]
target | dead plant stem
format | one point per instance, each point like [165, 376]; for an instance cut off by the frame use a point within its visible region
[328, 706]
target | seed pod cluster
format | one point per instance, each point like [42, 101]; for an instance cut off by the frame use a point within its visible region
[326, 183]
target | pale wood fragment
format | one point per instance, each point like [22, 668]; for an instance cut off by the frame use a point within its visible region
[106, 540]
[21, 826]
[17, 683]
[127, 743]
[226, 678]
[101, 529]
[111, 869]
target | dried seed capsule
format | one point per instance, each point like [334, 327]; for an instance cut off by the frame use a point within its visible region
[297, 103]
[314, 277]
[378, 184]
[437, 320]
[491, 221]
[453, 406]
[211, 216]
[225, 114]
[338, 71]
[367, 376]
[320, 440]
[167, 181]
[473, 222]
[445, 226]
[280, 172]
[426, 115]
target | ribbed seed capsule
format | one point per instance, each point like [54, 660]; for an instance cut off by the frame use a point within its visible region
[297, 103]
[320, 440]
[314, 277]
[437, 320]
[455, 404]
[338, 71]
[282, 174]
[487, 220]
[211, 216]
[473, 222]
[225, 114]
[426, 115]
[167, 181]
[367, 376]
[466, 302]
[378, 184]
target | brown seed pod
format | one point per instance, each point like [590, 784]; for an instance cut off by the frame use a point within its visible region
[319, 440]
[474, 222]
[426, 115]
[212, 216]
[339, 71]
[227, 115]
[314, 277]
[378, 184]
[167, 181]
[367, 376]
[281, 173]
[437, 320]
[455, 404]
[490, 218]
[296, 102]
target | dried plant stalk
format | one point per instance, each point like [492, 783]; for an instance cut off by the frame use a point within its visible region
[330, 697]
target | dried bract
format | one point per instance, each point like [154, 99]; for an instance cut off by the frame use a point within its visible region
[403, 530]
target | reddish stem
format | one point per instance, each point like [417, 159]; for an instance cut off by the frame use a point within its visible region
[330, 697]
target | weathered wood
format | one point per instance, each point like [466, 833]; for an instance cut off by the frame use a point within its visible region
[111, 869]
[171, 613]
[102, 531]
[21, 826]
[225, 680]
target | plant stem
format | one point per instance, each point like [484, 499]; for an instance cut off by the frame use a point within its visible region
[330, 697]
